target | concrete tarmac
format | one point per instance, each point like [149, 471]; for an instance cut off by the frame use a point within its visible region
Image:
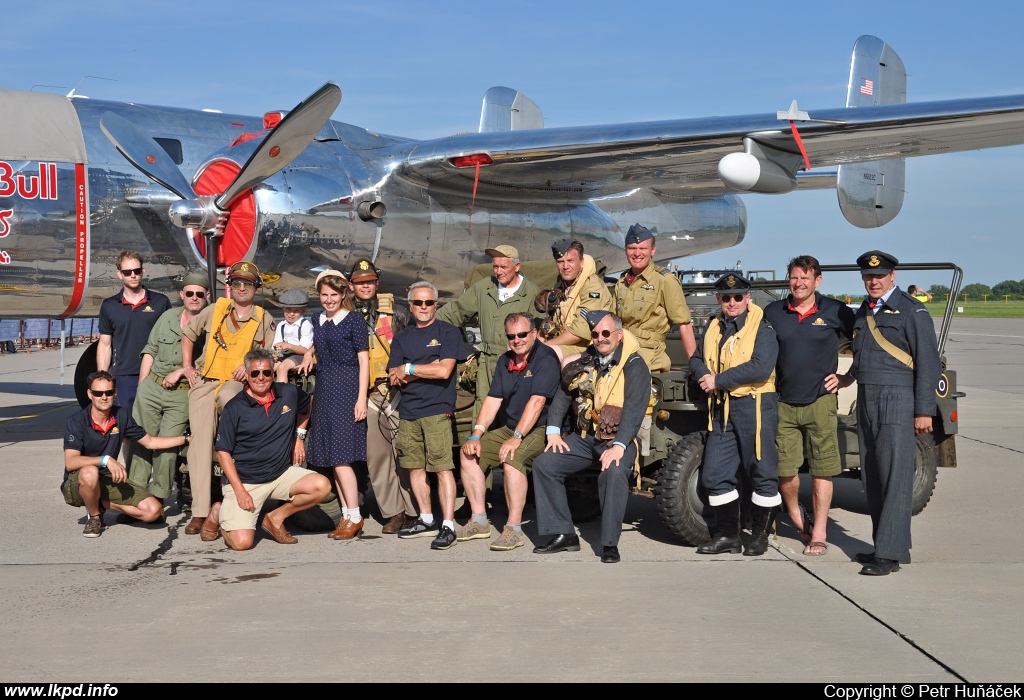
[148, 603]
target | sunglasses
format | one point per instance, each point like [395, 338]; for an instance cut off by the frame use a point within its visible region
[255, 373]
[134, 272]
[189, 294]
[107, 392]
[521, 335]
[423, 302]
[730, 297]
[241, 284]
[600, 334]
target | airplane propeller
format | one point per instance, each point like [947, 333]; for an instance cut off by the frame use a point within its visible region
[209, 212]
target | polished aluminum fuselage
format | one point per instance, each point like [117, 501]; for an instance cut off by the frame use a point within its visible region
[307, 220]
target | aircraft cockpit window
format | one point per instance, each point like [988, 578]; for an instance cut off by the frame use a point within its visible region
[173, 148]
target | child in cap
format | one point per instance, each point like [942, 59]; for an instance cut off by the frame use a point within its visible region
[294, 336]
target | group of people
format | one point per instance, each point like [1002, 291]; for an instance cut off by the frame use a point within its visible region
[563, 385]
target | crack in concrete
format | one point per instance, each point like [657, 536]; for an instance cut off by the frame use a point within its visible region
[946, 667]
[992, 444]
[161, 549]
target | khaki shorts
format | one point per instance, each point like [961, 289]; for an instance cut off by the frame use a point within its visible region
[532, 445]
[425, 443]
[126, 493]
[234, 518]
[808, 431]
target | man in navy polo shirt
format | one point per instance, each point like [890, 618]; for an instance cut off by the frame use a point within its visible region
[260, 443]
[524, 381]
[809, 327]
[126, 320]
[92, 475]
[422, 364]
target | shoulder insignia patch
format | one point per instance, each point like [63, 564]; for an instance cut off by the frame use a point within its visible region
[595, 295]
[665, 271]
[273, 325]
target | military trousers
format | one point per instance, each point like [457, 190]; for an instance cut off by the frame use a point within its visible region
[888, 445]
[549, 472]
[390, 484]
[486, 364]
[206, 399]
[733, 447]
[164, 413]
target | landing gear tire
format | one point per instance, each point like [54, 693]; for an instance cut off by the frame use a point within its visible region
[681, 502]
[926, 472]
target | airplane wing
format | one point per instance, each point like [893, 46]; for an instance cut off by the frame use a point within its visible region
[680, 157]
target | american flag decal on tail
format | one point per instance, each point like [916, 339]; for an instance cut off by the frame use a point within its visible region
[868, 88]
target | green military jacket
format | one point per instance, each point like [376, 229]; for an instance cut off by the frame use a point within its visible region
[164, 343]
[648, 308]
[481, 300]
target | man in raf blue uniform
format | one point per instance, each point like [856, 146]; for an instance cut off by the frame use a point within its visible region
[735, 365]
[897, 368]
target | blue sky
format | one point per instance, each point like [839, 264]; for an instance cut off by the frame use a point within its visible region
[420, 69]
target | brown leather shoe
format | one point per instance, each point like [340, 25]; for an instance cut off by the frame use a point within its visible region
[396, 523]
[194, 526]
[278, 533]
[211, 528]
[347, 530]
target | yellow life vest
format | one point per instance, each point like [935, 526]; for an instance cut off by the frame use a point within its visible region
[569, 308]
[225, 349]
[610, 389]
[380, 339]
[737, 350]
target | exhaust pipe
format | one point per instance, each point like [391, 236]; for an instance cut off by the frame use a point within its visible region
[371, 211]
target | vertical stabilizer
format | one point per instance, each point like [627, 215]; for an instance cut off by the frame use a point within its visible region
[506, 109]
[871, 194]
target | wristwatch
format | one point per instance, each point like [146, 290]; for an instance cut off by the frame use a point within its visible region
[517, 435]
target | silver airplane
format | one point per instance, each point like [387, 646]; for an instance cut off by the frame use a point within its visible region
[297, 193]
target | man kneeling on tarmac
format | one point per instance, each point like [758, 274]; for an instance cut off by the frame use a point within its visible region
[92, 475]
[260, 445]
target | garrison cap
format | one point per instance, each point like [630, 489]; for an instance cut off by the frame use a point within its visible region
[732, 283]
[593, 316]
[638, 234]
[560, 248]
[196, 278]
[503, 251]
[294, 297]
[363, 271]
[875, 262]
[245, 270]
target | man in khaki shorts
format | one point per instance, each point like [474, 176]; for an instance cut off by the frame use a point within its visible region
[260, 443]
[810, 328]
[422, 365]
[525, 381]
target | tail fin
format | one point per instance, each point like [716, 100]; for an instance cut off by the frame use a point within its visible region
[506, 109]
[871, 194]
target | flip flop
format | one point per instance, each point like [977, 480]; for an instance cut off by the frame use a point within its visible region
[816, 545]
[808, 529]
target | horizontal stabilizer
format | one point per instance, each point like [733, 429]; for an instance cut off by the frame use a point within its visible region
[871, 194]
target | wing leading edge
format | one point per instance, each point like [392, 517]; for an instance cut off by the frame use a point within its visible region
[680, 157]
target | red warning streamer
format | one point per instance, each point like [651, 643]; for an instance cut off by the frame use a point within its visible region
[800, 144]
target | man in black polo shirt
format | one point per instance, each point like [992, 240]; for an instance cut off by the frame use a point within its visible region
[525, 381]
[126, 320]
[260, 445]
[809, 327]
[422, 363]
[92, 475]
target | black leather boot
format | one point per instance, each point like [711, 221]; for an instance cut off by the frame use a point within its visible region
[727, 532]
[761, 523]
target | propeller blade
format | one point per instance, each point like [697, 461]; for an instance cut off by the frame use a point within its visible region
[144, 153]
[286, 141]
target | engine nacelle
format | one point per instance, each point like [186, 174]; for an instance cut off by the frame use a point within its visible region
[748, 173]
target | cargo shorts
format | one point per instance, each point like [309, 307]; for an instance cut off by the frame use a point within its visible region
[532, 445]
[809, 432]
[425, 443]
[126, 493]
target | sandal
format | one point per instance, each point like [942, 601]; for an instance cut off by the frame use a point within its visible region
[816, 545]
[808, 528]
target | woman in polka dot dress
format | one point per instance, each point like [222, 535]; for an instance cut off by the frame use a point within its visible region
[337, 426]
